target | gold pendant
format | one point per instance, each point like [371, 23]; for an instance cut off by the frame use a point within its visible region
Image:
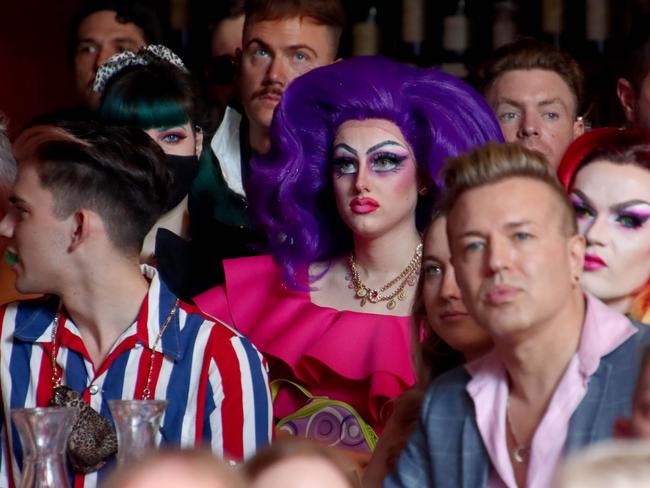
[401, 295]
[362, 292]
[391, 304]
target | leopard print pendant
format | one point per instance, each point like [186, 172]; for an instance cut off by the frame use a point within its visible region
[92, 440]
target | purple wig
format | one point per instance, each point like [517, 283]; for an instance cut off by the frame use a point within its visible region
[290, 188]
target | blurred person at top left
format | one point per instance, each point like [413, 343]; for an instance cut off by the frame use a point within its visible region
[7, 176]
[104, 28]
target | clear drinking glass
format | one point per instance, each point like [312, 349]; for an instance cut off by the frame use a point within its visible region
[44, 435]
[137, 422]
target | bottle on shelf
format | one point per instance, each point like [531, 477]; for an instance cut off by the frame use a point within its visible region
[597, 23]
[365, 35]
[504, 28]
[413, 32]
[553, 19]
[179, 23]
[595, 58]
[455, 41]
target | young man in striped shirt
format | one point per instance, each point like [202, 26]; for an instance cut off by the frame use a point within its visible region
[84, 199]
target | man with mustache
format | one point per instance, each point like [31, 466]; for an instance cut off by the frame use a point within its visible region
[564, 364]
[537, 93]
[282, 39]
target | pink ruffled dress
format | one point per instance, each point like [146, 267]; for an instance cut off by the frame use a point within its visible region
[363, 359]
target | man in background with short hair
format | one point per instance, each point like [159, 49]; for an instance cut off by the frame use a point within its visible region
[537, 93]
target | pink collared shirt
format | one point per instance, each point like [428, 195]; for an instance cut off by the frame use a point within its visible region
[604, 330]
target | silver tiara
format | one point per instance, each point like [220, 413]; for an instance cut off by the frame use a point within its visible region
[150, 54]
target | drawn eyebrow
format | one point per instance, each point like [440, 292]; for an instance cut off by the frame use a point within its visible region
[585, 199]
[382, 144]
[343, 145]
[629, 203]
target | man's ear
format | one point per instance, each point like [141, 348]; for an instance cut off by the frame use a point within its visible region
[577, 245]
[627, 98]
[578, 127]
[80, 228]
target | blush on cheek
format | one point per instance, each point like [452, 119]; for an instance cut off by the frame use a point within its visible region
[404, 181]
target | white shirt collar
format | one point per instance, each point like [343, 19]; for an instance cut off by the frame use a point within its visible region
[225, 146]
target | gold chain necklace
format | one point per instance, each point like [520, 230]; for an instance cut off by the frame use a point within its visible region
[376, 295]
[146, 393]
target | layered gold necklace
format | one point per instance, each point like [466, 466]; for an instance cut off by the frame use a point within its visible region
[375, 295]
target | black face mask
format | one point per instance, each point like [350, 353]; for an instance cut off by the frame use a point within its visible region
[184, 169]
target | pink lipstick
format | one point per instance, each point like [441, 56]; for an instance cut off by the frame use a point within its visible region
[363, 206]
[593, 263]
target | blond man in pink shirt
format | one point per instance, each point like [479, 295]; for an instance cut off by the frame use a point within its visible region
[564, 365]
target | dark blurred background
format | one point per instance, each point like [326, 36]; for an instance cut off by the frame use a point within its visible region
[455, 34]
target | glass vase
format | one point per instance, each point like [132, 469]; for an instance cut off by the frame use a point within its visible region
[44, 435]
[137, 423]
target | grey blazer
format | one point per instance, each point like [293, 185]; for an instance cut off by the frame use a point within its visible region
[446, 449]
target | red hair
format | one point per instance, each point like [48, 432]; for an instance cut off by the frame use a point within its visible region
[616, 145]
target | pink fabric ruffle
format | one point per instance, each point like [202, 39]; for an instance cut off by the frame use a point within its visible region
[361, 358]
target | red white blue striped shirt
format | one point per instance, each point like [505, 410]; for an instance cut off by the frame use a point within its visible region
[214, 380]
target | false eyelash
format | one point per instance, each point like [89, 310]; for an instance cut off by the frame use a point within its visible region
[339, 163]
[636, 220]
[582, 210]
[394, 159]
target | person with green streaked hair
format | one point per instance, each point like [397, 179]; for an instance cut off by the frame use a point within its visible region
[152, 90]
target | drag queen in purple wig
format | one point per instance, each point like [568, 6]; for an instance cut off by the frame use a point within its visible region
[356, 148]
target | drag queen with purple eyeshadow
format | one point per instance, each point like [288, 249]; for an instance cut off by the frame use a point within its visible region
[342, 197]
[607, 172]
